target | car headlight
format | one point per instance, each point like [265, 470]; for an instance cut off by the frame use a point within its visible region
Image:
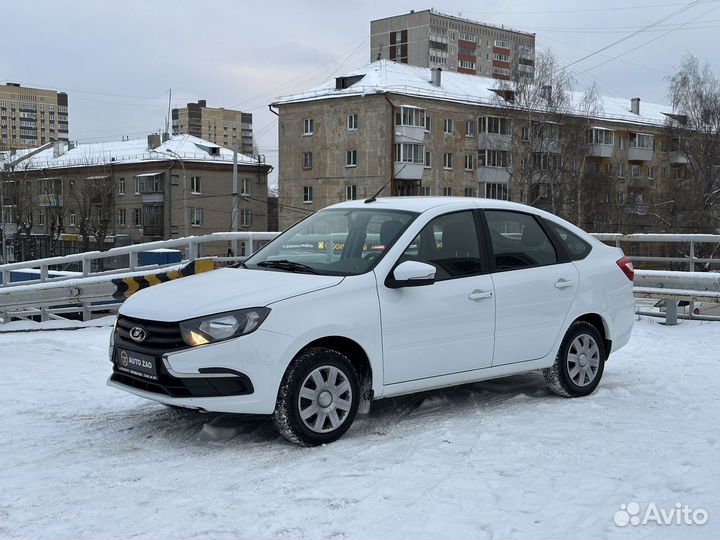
[222, 326]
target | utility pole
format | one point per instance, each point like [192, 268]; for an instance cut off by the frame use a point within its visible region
[236, 198]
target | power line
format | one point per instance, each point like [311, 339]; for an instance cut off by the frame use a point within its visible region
[589, 10]
[648, 41]
[633, 34]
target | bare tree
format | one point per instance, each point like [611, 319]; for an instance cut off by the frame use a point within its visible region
[91, 195]
[694, 129]
[51, 199]
[540, 105]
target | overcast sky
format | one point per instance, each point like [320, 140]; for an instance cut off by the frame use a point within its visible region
[117, 60]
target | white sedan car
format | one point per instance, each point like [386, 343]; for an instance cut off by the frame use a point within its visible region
[371, 299]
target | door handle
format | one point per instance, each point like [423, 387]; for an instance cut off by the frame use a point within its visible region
[479, 295]
[563, 284]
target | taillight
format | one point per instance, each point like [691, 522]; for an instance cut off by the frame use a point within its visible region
[626, 266]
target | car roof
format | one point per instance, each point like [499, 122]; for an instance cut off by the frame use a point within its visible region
[422, 204]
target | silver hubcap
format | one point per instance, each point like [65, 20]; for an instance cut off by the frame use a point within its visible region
[325, 399]
[583, 360]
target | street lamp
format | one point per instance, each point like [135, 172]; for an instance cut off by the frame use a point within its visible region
[186, 219]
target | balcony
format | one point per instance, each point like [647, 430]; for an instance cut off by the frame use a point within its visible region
[48, 199]
[640, 182]
[640, 154]
[493, 175]
[409, 134]
[600, 150]
[551, 146]
[678, 158]
[152, 197]
[494, 141]
[408, 171]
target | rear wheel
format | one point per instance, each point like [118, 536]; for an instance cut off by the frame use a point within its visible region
[318, 398]
[580, 362]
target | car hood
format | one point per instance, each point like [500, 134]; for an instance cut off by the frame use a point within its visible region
[220, 290]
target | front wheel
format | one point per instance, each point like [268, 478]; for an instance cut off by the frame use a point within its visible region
[579, 364]
[318, 398]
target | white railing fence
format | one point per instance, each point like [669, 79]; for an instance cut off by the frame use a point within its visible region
[47, 299]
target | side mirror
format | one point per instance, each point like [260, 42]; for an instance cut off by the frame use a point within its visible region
[411, 274]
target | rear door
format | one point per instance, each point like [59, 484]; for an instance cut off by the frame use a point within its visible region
[535, 285]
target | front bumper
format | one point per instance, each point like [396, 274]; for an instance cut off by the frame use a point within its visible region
[241, 375]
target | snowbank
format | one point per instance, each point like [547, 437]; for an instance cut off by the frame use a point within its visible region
[497, 459]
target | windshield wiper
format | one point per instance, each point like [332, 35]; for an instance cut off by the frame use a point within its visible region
[290, 266]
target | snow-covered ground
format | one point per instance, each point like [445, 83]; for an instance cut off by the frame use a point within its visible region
[496, 459]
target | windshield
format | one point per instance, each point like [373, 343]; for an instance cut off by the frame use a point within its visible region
[338, 242]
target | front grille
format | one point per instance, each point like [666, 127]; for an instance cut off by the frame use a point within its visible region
[161, 336]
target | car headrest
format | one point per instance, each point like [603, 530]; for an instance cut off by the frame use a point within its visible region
[389, 230]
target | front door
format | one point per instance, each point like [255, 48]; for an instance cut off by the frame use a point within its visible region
[447, 327]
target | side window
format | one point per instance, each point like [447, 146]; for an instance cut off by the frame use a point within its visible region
[450, 244]
[518, 241]
[576, 247]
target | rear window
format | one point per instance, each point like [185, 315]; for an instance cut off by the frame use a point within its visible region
[576, 247]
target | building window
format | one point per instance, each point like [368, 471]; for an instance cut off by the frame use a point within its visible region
[73, 218]
[621, 170]
[470, 192]
[308, 126]
[428, 160]
[428, 123]
[470, 128]
[494, 124]
[352, 122]
[635, 171]
[307, 194]
[350, 193]
[600, 136]
[245, 187]
[409, 153]
[195, 185]
[469, 162]
[122, 217]
[447, 192]
[651, 172]
[137, 217]
[426, 191]
[621, 143]
[121, 186]
[196, 217]
[448, 160]
[246, 217]
[307, 160]
[497, 191]
[41, 218]
[351, 158]
[641, 140]
[448, 126]
[137, 186]
[410, 116]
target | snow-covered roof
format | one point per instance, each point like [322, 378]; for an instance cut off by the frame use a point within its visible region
[185, 147]
[384, 76]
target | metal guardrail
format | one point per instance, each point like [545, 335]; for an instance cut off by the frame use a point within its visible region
[672, 287]
[193, 250]
[692, 240]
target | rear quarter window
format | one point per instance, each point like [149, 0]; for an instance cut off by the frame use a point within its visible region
[576, 247]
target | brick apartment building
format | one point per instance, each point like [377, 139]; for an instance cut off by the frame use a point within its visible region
[30, 117]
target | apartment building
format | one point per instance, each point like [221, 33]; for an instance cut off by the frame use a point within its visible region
[147, 189]
[432, 39]
[225, 127]
[30, 117]
[419, 131]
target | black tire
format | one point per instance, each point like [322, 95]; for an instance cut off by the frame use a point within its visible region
[567, 377]
[287, 415]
